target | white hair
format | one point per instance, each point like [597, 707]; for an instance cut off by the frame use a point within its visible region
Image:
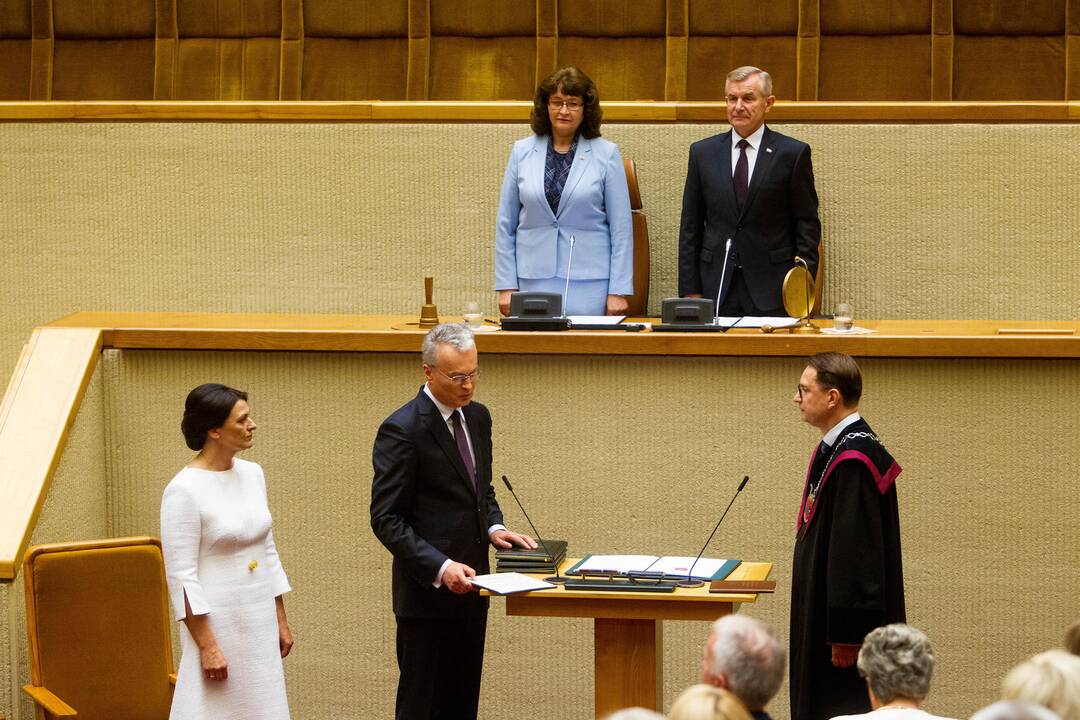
[898, 662]
[747, 653]
[456, 335]
[1050, 679]
[741, 73]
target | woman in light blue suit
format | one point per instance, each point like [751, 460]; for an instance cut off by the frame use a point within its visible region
[565, 183]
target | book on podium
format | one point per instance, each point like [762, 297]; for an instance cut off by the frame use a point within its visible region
[542, 559]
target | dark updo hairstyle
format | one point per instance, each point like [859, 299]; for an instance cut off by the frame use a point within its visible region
[207, 407]
[574, 83]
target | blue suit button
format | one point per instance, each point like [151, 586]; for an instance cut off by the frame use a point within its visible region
[555, 224]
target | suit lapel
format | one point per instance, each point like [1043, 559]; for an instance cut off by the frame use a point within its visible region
[536, 159]
[761, 167]
[437, 426]
[582, 156]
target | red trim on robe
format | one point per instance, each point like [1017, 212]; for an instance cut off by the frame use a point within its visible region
[882, 481]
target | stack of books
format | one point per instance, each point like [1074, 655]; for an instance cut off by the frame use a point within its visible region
[543, 559]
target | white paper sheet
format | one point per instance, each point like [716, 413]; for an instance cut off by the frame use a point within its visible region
[776, 322]
[596, 319]
[509, 583]
[704, 569]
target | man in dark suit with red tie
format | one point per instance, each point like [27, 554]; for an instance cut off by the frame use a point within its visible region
[749, 205]
[434, 508]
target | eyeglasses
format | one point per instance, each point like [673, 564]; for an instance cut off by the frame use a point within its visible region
[461, 379]
[571, 105]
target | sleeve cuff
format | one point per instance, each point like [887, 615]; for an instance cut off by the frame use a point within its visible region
[442, 569]
[195, 599]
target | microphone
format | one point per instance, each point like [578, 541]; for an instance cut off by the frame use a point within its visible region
[557, 578]
[690, 582]
[723, 274]
[565, 299]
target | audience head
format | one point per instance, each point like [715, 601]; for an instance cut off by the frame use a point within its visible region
[208, 408]
[897, 662]
[1050, 679]
[1014, 710]
[743, 655]
[1072, 638]
[573, 86]
[635, 713]
[705, 702]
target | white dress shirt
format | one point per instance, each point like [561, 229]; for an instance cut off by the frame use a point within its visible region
[751, 152]
[830, 437]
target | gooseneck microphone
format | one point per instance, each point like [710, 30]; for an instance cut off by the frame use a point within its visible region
[723, 274]
[557, 578]
[565, 302]
[690, 582]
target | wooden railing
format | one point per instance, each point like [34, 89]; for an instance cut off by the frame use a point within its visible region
[503, 112]
[55, 367]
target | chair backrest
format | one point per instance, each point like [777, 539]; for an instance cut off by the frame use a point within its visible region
[639, 301]
[99, 626]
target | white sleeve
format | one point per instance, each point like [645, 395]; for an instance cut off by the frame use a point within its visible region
[278, 581]
[181, 532]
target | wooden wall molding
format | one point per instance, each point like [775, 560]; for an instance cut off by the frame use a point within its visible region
[518, 111]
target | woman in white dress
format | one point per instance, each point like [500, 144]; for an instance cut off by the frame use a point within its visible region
[224, 575]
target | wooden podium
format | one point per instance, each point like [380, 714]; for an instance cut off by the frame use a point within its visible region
[627, 633]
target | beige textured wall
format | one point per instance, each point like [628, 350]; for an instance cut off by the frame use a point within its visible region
[988, 512]
[924, 220]
[942, 221]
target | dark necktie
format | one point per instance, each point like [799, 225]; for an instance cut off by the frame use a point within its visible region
[463, 445]
[742, 174]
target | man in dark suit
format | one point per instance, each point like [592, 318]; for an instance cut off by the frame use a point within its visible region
[433, 507]
[750, 204]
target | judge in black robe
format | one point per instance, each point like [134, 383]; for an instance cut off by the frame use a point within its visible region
[847, 572]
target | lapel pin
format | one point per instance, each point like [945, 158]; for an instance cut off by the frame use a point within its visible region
[768, 149]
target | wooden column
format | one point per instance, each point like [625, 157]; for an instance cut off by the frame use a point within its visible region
[678, 25]
[166, 45]
[628, 664]
[41, 49]
[1072, 50]
[547, 39]
[290, 85]
[941, 49]
[417, 84]
[808, 49]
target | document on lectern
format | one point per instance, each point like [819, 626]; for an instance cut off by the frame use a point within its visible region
[509, 583]
[669, 566]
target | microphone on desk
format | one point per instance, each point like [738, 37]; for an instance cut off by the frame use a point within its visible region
[557, 578]
[690, 582]
[723, 276]
[565, 299]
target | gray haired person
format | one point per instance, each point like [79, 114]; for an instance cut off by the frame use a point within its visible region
[743, 656]
[897, 662]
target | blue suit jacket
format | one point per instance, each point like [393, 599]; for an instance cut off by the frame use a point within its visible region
[533, 242]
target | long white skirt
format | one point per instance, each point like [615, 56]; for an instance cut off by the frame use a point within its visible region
[244, 621]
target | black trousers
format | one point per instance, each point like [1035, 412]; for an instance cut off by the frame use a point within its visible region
[440, 663]
[738, 302]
